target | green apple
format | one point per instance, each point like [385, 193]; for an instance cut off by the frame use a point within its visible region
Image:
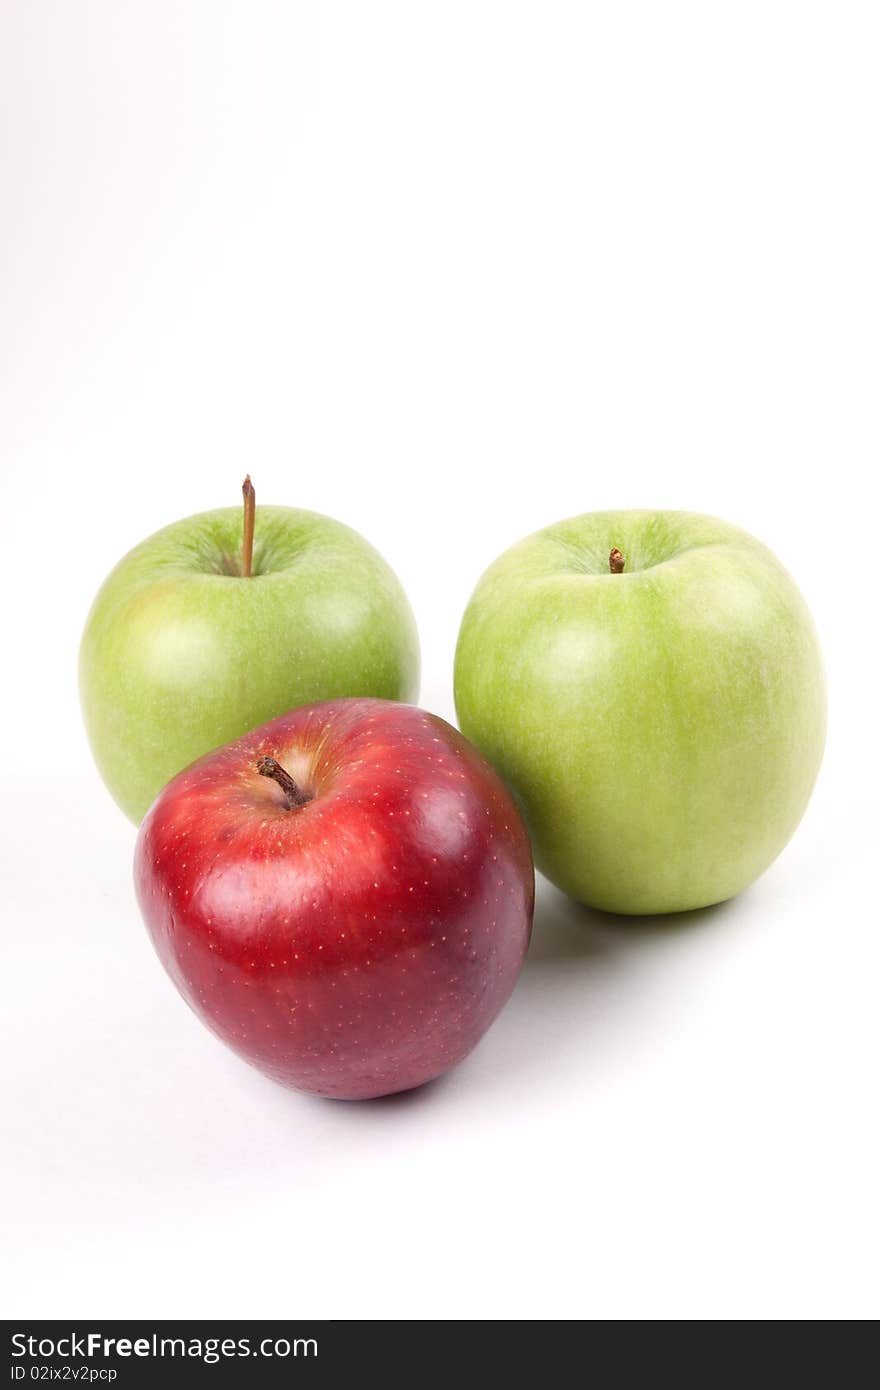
[183, 651]
[650, 685]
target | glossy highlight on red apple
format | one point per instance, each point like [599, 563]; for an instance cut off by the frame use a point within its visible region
[344, 896]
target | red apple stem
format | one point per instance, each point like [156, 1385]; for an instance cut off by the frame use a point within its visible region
[247, 532]
[616, 561]
[296, 797]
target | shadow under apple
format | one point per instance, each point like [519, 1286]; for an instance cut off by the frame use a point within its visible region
[586, 976]
[584, 972]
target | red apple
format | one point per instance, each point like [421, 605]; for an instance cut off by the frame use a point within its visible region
[344, 895]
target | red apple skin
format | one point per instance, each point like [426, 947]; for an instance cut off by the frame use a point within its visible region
[360, 944]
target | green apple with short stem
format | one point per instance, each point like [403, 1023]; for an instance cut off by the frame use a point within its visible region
[224, 620]
[650, 685]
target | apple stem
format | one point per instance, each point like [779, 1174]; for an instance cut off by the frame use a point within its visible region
[247, 532]
[616, 561]
[296, 797]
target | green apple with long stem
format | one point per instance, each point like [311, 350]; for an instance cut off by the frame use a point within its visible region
[650, 685]
[224, 620]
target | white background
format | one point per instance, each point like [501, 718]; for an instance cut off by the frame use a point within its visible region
[448, 272]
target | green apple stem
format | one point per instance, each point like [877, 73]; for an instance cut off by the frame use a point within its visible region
[296, 797]
[616, 561]
[247, 532]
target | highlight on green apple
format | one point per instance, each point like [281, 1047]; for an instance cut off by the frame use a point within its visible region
[650, 685]
[226, 619]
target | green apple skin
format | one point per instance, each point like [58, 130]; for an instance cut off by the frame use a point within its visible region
[663, 727]
[181, 654]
